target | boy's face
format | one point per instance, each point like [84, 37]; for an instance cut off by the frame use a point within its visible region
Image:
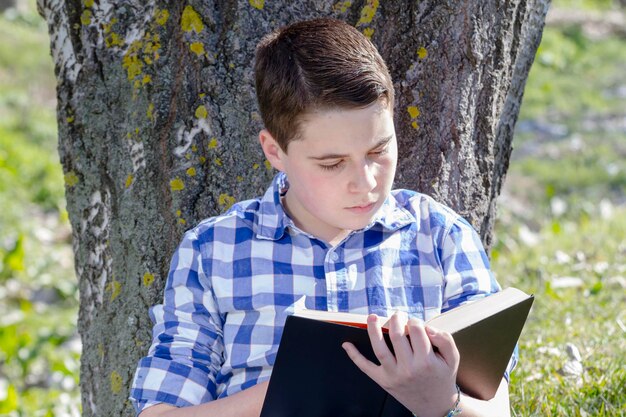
[341, 170]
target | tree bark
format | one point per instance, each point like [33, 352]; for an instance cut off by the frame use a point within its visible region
[158, 124]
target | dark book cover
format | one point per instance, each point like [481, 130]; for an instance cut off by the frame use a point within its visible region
[314, 377]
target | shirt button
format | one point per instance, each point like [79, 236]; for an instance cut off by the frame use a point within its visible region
[334, 257]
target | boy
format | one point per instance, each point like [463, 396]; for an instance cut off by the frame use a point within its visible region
[330, 234]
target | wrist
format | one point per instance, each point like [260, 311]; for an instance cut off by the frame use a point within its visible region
[455, 410]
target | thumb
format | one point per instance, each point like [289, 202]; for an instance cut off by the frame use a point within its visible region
[444, 343]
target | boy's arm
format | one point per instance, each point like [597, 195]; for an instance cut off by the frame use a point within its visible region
[245, 403]
[496, 407]
[187, 348]
[418, 376]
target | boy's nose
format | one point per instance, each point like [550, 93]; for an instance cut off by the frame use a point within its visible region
[363, 179]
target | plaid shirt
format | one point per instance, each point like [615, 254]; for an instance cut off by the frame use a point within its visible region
[236, 277]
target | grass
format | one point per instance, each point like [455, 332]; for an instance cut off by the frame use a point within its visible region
[587, 316]
[562, 218]
[574, 77]
[39, 347]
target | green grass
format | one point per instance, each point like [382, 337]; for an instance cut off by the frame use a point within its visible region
[562, 214]
[574, 78]
[587, 316]
[39, 353]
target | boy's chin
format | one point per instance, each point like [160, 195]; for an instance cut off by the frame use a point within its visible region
[360, 224]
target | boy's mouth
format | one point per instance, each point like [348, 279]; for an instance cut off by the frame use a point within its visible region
[362, 208]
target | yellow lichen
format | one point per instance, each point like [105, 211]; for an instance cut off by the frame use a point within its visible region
[368, 32]
[268, 165]
[201, 112]
[88, 3]
[150, 111]
[106, 27]
[415, 125]
[131, 61]
[85, 17]
[202, 159]
[225, 201]
[70, 119]
[178, 213]
[148, 279]
[413, 111]
[161, 16]
[368, 12]
[422, 52]
[194, 148]
[212, 143]
[129, 180]
[342, 6]
[116, 382]
[191, 20]
[255, 166]
[113, 39]
[177, 184]
[115, 287]
[140, 51]
[191, 172]
[197, 48]
[218, 162]
[258, 4]
[239, 178]
[71, 179]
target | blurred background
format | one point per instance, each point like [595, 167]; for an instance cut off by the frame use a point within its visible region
[561, 230]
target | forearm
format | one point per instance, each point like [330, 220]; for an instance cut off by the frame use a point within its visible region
[246, 403]
[496, 407]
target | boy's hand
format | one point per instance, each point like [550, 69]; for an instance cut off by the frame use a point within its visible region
[420, 378]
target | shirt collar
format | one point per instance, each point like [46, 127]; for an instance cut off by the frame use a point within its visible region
[392, 216]
[273, 220]
[272, 217]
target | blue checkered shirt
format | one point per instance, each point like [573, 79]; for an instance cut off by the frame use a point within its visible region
[236, 277]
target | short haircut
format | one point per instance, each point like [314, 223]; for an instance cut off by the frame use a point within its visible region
[316, 65]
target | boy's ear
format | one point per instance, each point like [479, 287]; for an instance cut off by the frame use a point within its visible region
[271, 149]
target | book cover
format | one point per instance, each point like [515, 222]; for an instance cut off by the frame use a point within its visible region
[314, 377]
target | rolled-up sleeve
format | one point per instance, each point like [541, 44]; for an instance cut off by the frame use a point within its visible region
[187, 340]
[465, 266]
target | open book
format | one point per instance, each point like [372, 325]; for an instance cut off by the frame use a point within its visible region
[314, 377]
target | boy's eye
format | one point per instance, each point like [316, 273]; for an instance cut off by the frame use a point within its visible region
[331, 167]
[381, 151]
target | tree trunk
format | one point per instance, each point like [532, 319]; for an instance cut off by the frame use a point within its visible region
[158, 124]
[7, 4]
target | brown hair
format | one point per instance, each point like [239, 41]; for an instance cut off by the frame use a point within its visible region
[312, 65]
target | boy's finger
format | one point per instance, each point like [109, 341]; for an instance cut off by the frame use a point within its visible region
[397, 326]
[420, 342]
[446, 346]
[379, 346]
[366, 366]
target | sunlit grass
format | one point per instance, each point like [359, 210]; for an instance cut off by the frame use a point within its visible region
[574, 78]
[587, 315]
